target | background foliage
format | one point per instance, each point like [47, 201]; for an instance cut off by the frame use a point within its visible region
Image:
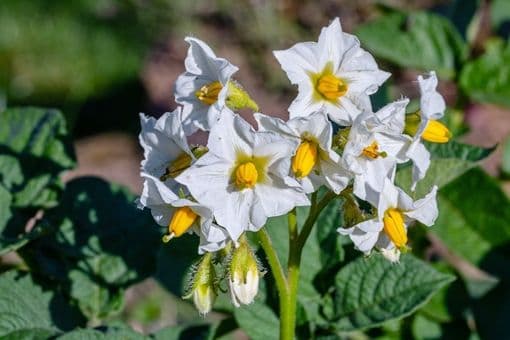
[80, 261]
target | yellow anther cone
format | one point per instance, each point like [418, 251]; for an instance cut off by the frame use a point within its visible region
[331, 87]
[246, 175]
[305, 159]
[436, 132]
[182, 220]
[208, 94]
[394, 227]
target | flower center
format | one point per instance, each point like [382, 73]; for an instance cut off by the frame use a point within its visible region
[182, 220]
[177, 166]
[246, 175]
[208, 94]
[305, 159]
[436, 132]
[372, 151]
[331, 87]
[394, 227]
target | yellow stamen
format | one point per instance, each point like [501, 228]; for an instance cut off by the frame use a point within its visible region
[372, 151]
[331, 87]
[394, 227]
[175, 168]
[181, 221]
[305, 159]
[246, 175]
[208, 94]
[436, 132]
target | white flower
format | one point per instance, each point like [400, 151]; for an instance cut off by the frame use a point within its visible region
[373, 149]
[334, 75]
[395, 210]
[422, 125]
[181, 215]
[165, 148]
[202, 89]
[314, 162]
[244, 176]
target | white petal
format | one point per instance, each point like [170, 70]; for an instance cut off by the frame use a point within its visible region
[389, 197]
[304, 104]
[201, 60]
[231, 135]
[268, 123]
[331, 46]
[363, 235]
[425, 209]
[432, 103]
[334, 173]
[420, 157]
[278, 199]
[298, 61]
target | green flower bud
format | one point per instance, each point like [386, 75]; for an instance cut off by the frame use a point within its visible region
[202, 285]
[238, 98]
[243, 274]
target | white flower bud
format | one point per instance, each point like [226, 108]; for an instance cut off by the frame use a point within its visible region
[244, 275]
[202, 285]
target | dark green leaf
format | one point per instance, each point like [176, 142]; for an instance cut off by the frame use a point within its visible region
[34, 151]
[26, 311]
[448, 161]
[487, 79]
[102, 245]
[258, 321]
[505, 163]
[419, 40]
[372, 291]
[183, 332]
[454, 149]
[103, 333]
[473, 221]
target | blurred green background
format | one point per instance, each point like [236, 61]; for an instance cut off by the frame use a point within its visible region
[103, 61]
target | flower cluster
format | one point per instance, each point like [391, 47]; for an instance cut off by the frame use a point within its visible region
[243, 176]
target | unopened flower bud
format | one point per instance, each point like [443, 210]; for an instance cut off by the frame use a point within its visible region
[244, 275]
[238, 98]
[202, 285]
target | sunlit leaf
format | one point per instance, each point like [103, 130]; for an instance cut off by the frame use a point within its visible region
[370, 291]
[419, 40]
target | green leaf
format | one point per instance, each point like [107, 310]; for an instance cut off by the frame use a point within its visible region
[106, 333]
[370, 291]
[193, 331]
[448, 161]
[499, 13]
[424, 328]
[454, 149]
[418, 40]
[505, 163]
[102, 245]
[473, 221]
[487, 79]
[26, 311]
[34, 151]
[257, 320]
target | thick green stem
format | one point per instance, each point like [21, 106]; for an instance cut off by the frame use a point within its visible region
[272, 259]
[281, 284]
[288, 285]
[289, 318]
